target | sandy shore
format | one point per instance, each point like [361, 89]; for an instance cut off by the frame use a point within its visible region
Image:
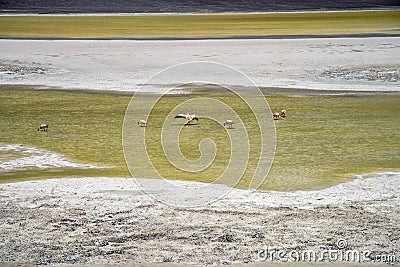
[360, 64]
[110, 220]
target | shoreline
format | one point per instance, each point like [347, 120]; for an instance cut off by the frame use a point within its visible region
[211, 38]
[279, 91]
[363, 188]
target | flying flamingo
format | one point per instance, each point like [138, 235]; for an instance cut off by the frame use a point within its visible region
[188, 117]
[142, 123]
[229, 124]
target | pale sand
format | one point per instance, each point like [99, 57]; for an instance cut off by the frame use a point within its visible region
[111, 221]
[271, 264]
[366, 64]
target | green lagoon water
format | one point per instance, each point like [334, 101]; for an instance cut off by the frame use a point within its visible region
[325, 139]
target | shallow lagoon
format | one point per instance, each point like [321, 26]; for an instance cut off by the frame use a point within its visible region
[325, 139]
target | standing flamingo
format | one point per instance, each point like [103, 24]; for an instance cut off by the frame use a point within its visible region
[229, 124]
[142, 123]
[43, 127]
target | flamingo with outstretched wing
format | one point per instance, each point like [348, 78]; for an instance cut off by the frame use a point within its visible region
[187, 116]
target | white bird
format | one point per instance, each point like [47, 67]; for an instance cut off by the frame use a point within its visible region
[229, 123]
[276, 116]
[43, 127]
[142, 123]
[188, 117]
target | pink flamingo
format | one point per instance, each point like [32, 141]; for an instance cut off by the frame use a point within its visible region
[43, 127]
[229, 124]
[142, 123]
[188, 117]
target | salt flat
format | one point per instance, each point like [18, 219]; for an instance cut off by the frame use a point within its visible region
[360, 64]
[110, 220]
